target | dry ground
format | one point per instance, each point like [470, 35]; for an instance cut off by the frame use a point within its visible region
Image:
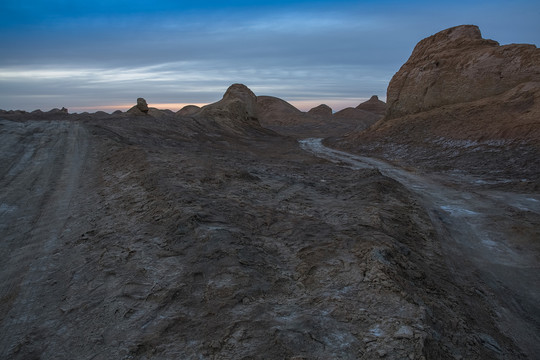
[136, 239]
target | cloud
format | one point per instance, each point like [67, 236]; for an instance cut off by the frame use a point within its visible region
[113, 53]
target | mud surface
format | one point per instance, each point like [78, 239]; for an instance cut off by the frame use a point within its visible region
[134, 239]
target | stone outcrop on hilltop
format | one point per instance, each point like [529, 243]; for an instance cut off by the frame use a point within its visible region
[373, 105]
[142, 105]
[140, 109]
[457, 65]
[322, 110]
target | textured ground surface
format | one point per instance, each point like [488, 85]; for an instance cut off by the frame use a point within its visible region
[134, 239]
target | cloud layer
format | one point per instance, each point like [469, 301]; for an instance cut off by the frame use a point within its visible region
[307, 52]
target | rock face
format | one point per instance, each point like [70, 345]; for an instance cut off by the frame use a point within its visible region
[373, 105]
[322, 110]
[457, 65]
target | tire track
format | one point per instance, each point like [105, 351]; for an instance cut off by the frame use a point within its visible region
[36, 195]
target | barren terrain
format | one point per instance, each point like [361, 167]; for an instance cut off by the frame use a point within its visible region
[132, 238]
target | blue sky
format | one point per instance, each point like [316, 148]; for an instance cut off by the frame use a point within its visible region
[105, 53]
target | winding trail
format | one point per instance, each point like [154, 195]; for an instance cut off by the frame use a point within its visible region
[492, 234]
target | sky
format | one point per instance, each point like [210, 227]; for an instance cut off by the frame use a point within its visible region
[104, 54]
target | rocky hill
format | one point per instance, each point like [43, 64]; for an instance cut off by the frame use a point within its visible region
[460, 101]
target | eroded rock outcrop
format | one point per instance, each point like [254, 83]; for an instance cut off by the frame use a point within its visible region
[373, 105]
[457, 65]
[238, 102]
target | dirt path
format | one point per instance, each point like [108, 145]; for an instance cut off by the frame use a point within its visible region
[41, 170]
[491, 238]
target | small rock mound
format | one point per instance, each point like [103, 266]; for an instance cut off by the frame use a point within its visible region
[322, 110]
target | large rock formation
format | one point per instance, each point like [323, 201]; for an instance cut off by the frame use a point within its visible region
[457, 65]
[460, 101]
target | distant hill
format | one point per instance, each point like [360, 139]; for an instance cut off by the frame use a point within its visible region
[320, 121]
